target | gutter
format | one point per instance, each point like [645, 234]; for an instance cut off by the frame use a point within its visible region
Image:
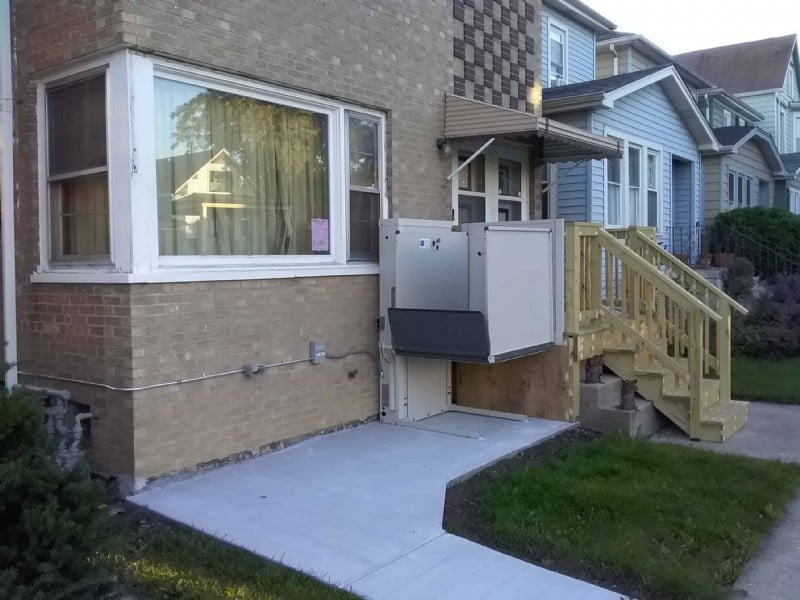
[9, 284]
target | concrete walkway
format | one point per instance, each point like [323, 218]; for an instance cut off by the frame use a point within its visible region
[362, 508]
[772, 432]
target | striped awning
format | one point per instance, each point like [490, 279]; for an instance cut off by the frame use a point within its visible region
[466, 119]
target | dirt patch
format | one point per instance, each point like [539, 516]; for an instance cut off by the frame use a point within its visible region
[462, 517]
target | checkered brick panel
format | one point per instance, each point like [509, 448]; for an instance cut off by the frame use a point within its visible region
[495, 50]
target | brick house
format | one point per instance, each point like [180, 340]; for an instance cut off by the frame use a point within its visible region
[196, 193]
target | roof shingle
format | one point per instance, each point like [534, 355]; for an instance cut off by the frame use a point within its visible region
[746, 67]
[729, 136]
[596, 86]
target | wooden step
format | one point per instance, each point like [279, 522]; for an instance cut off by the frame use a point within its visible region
[721, 421]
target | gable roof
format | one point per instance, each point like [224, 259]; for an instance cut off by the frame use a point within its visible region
[597, 86]
[746, 67]
[730, 136]
[658, 55]
[791, 162]
[605, 92]
[733, 138]
[582, 13]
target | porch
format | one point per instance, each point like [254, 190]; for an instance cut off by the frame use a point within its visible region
[654, 321]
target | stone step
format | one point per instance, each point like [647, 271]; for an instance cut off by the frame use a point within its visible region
[600, 410]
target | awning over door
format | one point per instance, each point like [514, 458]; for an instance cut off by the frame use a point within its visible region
[469, 119]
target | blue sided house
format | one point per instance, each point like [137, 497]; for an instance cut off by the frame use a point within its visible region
[658, 181]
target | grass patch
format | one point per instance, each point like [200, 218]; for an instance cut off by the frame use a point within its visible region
[650, 520]
[165, 561]
[767, 380]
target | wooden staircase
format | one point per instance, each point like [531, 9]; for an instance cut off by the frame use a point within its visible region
[653, 320]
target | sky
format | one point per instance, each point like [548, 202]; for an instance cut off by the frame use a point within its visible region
[683, 25]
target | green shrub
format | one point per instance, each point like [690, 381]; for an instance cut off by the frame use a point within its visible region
[52, 522]
[769, 237]
[737, 281]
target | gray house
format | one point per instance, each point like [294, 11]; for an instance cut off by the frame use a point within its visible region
[763, 74]
[747, 167]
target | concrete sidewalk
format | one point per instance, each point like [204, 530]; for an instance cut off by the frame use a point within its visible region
[362, 509]
[772, 432]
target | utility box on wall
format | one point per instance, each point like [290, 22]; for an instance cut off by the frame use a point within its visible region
[487, 293]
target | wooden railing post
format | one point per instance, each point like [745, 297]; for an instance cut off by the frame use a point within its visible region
[724, 351]
[696, 359]
[573, 279]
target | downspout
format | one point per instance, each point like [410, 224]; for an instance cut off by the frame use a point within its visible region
[613, 50]
[9, 288]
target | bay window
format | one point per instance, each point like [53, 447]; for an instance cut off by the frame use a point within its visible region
[184, 174]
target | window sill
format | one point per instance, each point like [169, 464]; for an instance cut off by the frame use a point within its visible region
[181, 275]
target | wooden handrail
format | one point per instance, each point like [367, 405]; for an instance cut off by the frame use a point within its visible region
[688, 272]
[661, 356]
[611, 281]
[655, 278]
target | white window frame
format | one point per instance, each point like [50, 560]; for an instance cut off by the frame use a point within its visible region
[555, 24]
[796, 131]
[645, 147]
[491, 195]
[133, 228]
[793, 201]
[727, 118]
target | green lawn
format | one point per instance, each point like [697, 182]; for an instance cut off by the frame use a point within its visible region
[163, 561]
[768, 380]
[673, 522]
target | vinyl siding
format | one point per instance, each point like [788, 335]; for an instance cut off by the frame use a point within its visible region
[715, 186]
[580, 48]
[751, 162]
[604, 64]
[648, 115]
[571, 189]
[765, 104]
[639, 62]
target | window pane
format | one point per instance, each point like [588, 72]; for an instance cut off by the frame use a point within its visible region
[76, 126]
[634, 166]
[363, 152]
[652, 209]
[471, 209]
[740, 190]
[731, 188]
[613, 204]
[509, 174]
[365, 211]
[80, 216]
[749, 191]
[472, 177]
[615, 170]
[239, 176]
[557, 54]
[652, 171]
[509, 210]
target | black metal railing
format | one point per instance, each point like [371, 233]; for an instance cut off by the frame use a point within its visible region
[718, 246]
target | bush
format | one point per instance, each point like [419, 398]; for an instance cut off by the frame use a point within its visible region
[769, 237]
[52, 522]
[772, 327]
[737, 281]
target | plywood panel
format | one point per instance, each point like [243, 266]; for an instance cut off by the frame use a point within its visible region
[534, 385]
